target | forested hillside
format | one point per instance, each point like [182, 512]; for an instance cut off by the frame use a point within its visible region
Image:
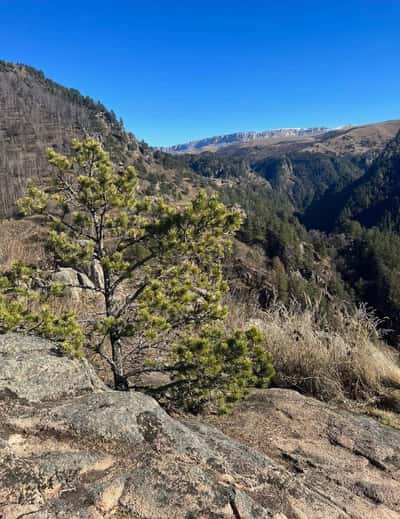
[375, 199]
[36, 113]
[327, 222]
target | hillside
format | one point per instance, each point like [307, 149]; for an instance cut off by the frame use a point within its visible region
[305, 171]
[302, 165]
[36, 113]
[375, 199]
[372, 200]
[366, 140]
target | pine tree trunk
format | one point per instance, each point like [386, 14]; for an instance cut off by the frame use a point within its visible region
[120, 381]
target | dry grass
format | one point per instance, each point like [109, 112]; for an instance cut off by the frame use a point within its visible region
[385, 417]
[340, 361]
[21, 241]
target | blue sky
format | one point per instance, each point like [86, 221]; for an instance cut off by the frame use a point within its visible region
[182, 70]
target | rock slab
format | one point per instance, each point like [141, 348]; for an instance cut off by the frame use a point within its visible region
[72, 448]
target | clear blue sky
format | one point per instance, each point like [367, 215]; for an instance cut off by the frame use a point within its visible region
[181, 70]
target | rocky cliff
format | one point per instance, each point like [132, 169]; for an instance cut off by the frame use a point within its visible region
[72, 448]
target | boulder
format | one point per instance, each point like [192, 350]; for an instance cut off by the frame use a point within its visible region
[72, 448]
[32, 369]
[74, 282]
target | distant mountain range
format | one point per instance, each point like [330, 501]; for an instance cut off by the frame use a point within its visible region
[344, 140]
[243, 137]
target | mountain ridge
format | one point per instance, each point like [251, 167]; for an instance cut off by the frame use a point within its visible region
[245, 136]
[363, 140]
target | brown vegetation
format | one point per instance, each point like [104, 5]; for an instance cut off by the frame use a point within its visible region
[342, 359]
[21, 241]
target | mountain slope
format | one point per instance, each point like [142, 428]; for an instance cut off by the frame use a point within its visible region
[305, 165]
[372, 200]
[366, 140]
[36, 113]
[375, 199]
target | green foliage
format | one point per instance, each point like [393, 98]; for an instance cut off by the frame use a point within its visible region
[214, 166]
[205, 164]
[369, 262]
[218, 367]
[162, 270]
[374, 200]
[23, 308]
[306, 176]
[269, 218]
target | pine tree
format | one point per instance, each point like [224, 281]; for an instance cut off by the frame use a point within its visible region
[162, 283]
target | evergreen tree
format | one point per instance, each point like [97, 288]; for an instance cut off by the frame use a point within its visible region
[161, 279]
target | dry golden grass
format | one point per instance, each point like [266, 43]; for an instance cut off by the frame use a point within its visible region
[21, 241]
[385, 417]
[347, 360]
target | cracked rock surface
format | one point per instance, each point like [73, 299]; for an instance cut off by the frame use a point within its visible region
[348, 460]
[71, 448]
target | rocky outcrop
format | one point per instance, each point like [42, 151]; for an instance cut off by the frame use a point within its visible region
[94, 453]
[71, 448]
[349, 460]
[33, 370]
[74, 282]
